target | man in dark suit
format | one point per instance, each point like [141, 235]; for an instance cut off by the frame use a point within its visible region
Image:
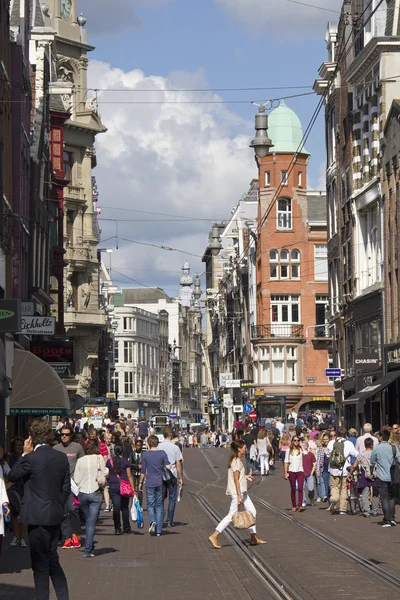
[47, 487]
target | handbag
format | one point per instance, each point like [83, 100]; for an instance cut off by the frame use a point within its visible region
[15, 500]
[125, 488]
[243, 519]
[168, 477]
[100, 477]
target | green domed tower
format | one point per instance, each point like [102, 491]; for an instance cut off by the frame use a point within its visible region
[285, 130]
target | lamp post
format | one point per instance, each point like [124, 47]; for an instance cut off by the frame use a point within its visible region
[261, 143]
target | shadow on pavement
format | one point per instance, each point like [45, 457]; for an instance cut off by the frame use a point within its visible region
[102, 551]
[11, 592]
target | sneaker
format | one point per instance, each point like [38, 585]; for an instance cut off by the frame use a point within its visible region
[68, 544]
[88, 555]
[152, 528]
[386, 525]
[342, 512]
[393, 523]
[118, 532]
[319, 500]
[325, 499]
[107, 509]
[22, 543]
[304, 504]
[14, 542]
[158, 534]
[367, 515]
[75, 541]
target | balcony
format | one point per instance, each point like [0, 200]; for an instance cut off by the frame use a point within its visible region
[277, 330]
[75, 193]
[78, 257]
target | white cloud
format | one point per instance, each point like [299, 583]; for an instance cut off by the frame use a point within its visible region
[112, 17]
[281, 18]
[184, 159]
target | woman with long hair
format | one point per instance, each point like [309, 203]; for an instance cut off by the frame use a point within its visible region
[237, 489]
[264, 451]
[120, 471]
[294, 471]
[284, 445]
[322, 470]
[90, 496]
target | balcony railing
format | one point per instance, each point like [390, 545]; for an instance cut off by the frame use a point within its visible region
[278, 330]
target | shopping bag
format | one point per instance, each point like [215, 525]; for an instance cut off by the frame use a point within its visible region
[243, 519]
[133, 511]
[139, 514]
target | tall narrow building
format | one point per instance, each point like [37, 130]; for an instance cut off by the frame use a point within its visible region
[291, 347]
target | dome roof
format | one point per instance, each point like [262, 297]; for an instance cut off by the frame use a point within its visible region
[285, 130]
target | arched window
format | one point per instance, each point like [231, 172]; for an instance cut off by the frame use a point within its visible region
[284, 264]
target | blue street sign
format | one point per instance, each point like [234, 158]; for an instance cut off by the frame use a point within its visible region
[214, 399]
[333, 372]
[247, 408]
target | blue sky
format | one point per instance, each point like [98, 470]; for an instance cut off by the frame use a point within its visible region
[211, 44]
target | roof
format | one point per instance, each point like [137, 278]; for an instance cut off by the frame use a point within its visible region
[373, 388]
[285, 130]
[316, 207]
[144, 295]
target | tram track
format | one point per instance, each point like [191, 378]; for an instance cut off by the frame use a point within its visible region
[260, 565]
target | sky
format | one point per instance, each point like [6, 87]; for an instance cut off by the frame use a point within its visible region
[174, 159]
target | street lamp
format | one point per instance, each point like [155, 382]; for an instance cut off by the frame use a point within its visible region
[108, 251]
[261, 143]
[215, 244]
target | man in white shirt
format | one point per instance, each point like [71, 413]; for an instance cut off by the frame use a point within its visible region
[360, 445]
[175, 459]
[339, 470]
[279, 425]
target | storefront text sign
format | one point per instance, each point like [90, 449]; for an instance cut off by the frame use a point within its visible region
[38, 325]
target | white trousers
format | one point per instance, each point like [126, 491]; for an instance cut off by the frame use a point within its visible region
[264, 463]
[233, 508]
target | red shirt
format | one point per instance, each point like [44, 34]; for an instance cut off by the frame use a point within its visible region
[308, 462]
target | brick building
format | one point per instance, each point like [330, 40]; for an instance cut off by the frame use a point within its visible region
[291, 347]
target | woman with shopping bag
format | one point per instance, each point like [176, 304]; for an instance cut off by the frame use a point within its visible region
[242, 511]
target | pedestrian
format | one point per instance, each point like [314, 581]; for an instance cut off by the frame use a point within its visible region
[382, 458]
[284, 445]
[250, 440]
[120, 470]
[5, 508]
[16, 494]
[322, 470]
[309, 464]
[70, 526]
[204, 440]
[339, 451]
[294, 472]
[175, 459]
[153, 463]
[136, 461]
[237, 489]
[264, 451]
[366, 483]
[47, 486]
[360, 443]
[86, 476]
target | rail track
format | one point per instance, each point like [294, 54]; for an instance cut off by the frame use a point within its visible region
[270, 578]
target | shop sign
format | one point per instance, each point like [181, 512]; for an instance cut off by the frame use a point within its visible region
[61, 368]
[366, 362]
[55, 351]
[237, 408]
[322, 399]
[28, 309]
[38, 325]
[40, 411]
[10, 316]
[245, 383]
[223, 378]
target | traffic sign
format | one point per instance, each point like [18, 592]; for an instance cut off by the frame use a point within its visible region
[333, 372]
[253, 414]
[237, 408]
[247, 408]
[228, 402]
[232, 383]
[223, 377]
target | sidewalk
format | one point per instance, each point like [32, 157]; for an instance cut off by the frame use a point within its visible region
[172, 567]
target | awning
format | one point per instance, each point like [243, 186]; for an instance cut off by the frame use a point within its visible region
[36, 387]
[373, 389]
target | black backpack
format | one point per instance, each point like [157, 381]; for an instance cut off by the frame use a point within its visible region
[338, 459]
[395, 469]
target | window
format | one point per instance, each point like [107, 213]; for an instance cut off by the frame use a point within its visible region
[68, 164]
[115, 382]
[284, 214]
[267, 178]
[128, 380]
[128, 352]
[299, 178]
[320, 262]
[321, 306]
[285, 310]
[128, 324]
[280, 366]
[284, 177]
[116, 351]
[284, 265]
[369, 248]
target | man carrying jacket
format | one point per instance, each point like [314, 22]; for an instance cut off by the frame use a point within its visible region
[47, 488]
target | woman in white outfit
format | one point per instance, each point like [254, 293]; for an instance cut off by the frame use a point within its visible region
[237, 489]
[3, 502]
[264, 451]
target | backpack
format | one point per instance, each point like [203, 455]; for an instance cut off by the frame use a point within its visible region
[338, 459]
[224, 437]
[395, 468]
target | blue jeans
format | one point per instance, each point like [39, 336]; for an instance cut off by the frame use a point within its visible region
[90, 505]
[321, 487]
[154, 497]
[326, 476]
[172, 494]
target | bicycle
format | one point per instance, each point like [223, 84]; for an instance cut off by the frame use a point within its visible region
[353, 497]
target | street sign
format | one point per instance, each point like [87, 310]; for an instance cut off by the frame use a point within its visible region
[232, 383]
[247, 408]
[10, 315]
[223, 377]
[253, 414]
[333, 372]
[237, 408]
[228, 402]
[173, 416]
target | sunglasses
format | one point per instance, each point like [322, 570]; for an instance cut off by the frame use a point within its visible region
[65, 434]
[296, 440]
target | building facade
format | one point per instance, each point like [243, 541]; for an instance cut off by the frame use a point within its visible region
[291, 345]
[363, 51]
